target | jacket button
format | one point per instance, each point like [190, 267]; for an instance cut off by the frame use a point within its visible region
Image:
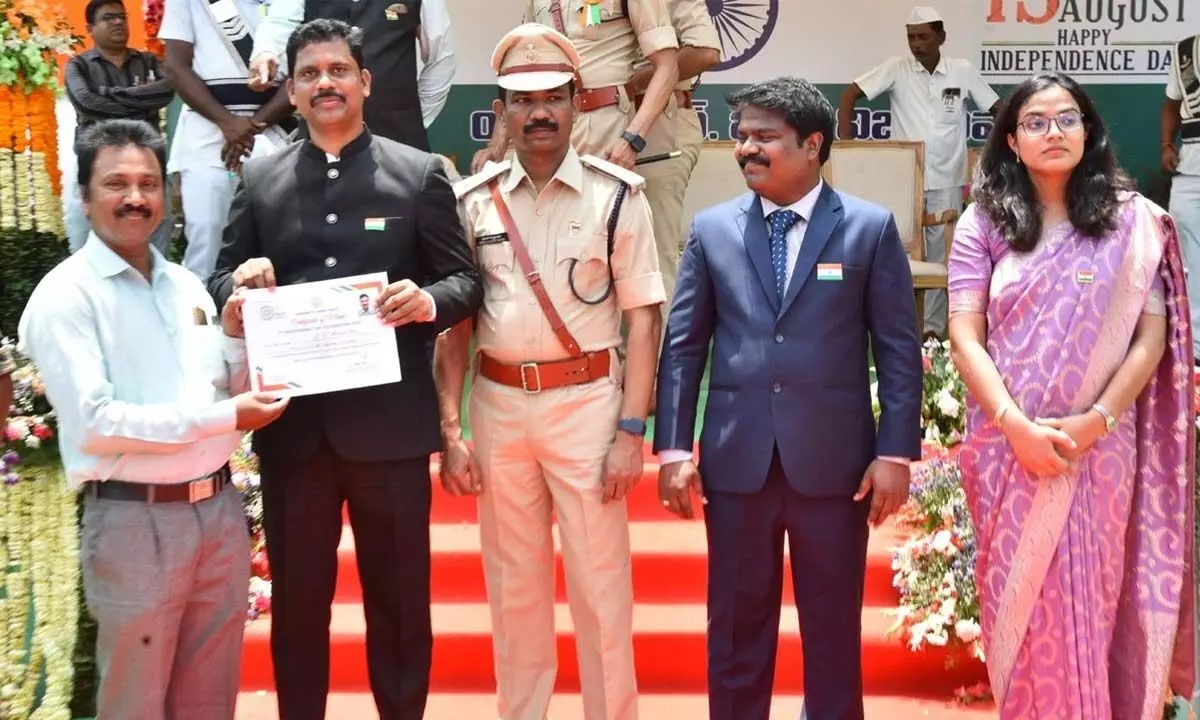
[777, 388]
[330, 261]
[331, 218]
[778, 338]
[332, 173]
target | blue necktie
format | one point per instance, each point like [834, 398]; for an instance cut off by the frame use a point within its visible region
[781, 221]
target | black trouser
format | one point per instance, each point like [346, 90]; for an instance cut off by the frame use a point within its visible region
[389, 514]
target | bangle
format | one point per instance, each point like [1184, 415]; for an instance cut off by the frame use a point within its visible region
[1110, 422]
[996, 420]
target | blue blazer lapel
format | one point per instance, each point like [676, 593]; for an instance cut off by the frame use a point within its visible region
[826, 216]
[758, 247]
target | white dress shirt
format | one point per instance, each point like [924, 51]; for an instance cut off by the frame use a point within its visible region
[140, 388]
[794, 238]
[932, 107]
[438, 65]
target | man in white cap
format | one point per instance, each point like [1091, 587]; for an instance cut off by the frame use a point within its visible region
[929, 93]
[565, 247]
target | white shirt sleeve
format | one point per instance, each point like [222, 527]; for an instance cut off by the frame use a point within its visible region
[437, 57]
[177, 22]
[1174, 92]
[981, 93]
[670, 457]
[878, 80]
[58, 331]
[283, 17]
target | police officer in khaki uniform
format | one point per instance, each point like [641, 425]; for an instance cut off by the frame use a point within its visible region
[677, 129]
[610, 37]
[557, 423]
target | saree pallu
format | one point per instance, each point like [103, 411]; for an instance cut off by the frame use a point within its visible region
[1085, 580]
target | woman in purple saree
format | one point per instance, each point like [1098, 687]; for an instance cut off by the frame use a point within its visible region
[1069, 327]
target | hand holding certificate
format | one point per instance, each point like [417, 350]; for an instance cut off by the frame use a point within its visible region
[319, 337]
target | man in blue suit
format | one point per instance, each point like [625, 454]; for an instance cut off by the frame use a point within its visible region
[792, 284]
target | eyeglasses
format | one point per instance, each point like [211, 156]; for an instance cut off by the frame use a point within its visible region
[1037, 125]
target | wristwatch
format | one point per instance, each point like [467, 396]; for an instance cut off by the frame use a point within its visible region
[633, 426]
[637, 142]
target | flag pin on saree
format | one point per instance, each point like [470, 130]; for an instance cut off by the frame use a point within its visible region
[1085, 277]
[590, 13]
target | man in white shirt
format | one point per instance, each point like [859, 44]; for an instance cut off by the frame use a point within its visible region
[224, 121]
[144, 382]
[407, 98]
[928, 94]
[1181, 117]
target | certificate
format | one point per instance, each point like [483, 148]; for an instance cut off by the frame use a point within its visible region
[319, 337]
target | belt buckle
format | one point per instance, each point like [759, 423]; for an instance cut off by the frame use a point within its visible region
[537, 375]
[200, 489]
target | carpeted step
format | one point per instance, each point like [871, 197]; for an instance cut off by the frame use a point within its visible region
[669, 644]
[564, 706]
[669, 564]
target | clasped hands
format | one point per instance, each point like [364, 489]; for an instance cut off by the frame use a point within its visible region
[1047, 446]
[400, 303]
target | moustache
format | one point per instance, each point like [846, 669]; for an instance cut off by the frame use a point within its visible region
[753, 160]
[127, 210]
[328, 94]
[541, 125]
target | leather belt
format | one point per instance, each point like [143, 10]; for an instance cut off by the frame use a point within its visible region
[683, 98]
[192, 491]
[590, 100]
[535, 377]
[1190, 130]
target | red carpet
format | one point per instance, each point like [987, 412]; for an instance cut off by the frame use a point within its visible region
[669, 621]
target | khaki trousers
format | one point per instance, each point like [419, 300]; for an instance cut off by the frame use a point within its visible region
[542, 457]
[594, 131]
[666, 185]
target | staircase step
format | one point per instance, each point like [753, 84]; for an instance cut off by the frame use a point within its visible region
[569, 706]
[670, 564]
[669, 644]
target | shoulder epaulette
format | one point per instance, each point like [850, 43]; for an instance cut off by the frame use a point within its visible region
[629, 177]
[489, 171]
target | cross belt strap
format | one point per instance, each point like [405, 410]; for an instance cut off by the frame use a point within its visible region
[535, 280]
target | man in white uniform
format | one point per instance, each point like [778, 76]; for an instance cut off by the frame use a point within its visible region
[224, 121]
[928, 93]
[408, 96]
[1181, 117]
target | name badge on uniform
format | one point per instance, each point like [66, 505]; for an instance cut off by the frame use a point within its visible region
[393, 12]
[829, 271]
[374, 224]
[1085, 277]
[574, 227]
[493, 239]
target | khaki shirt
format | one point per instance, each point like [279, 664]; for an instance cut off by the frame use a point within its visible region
[608, 51]
[567, 223]
[693, 28]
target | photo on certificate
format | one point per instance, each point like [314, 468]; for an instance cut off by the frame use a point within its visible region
[319, 337]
